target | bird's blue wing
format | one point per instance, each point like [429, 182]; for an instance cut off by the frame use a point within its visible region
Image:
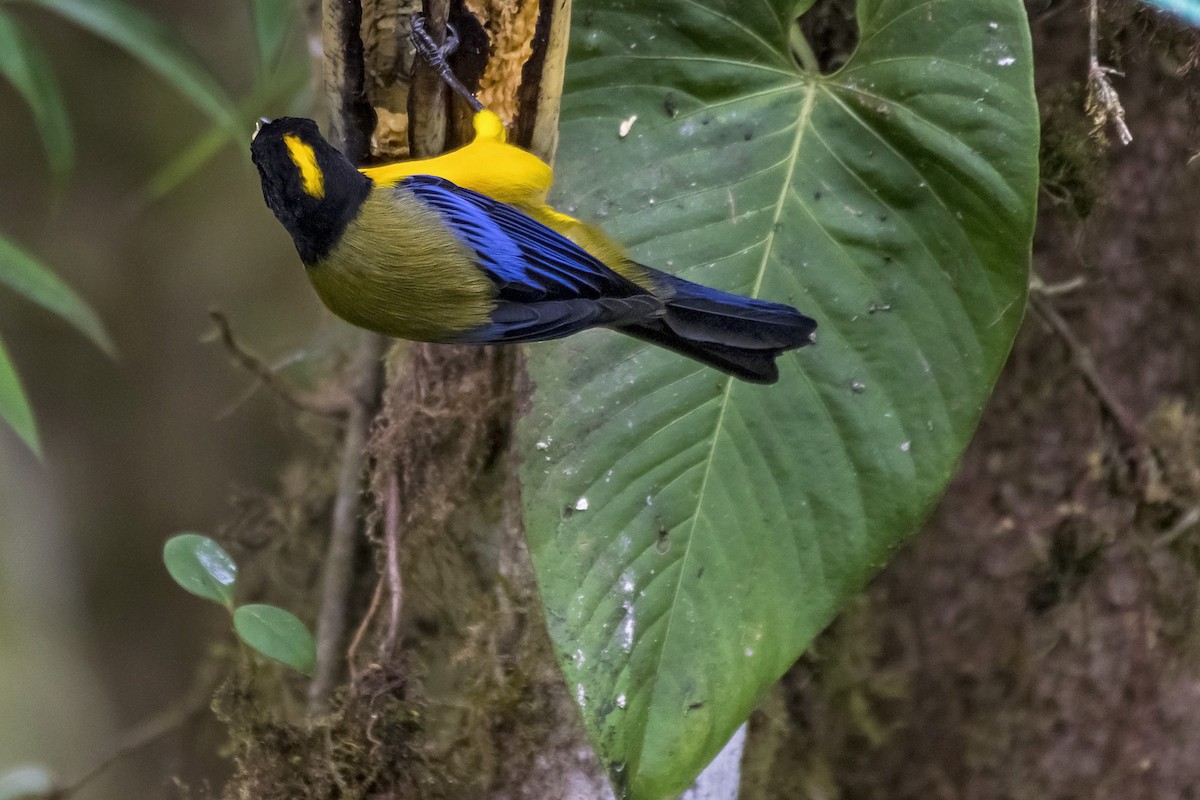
[547, 286]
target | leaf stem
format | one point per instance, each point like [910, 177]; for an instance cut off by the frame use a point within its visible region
[801, 48]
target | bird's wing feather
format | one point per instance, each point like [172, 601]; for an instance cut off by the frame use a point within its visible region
[553, 319]
[546, 285]
[525, 259]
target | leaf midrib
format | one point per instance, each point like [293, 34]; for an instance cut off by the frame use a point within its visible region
[789, 172]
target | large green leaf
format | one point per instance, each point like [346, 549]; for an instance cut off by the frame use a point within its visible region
[14, 406]
[691, 534]
[158, 47]
[33, 280]
[24, 65]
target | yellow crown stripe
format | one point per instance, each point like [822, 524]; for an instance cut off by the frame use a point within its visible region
[311, 177]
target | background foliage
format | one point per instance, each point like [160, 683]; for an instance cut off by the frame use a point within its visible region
[155, 440]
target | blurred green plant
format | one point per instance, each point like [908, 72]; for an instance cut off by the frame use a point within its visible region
[272, 22]
[1184, 9]
[202, 567]
[32, 280]
[24, 64]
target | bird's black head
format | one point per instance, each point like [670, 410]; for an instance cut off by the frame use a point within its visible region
[313, 189]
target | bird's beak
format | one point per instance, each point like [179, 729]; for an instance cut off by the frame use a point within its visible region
[258, 127]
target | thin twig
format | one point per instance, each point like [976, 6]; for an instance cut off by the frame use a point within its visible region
[1036, 284]
[338, 573]
[1104, 104]
[352, 650]
[142, 735]
[1185, 523]
[267, 376]
[1087, 368]
[391, 536]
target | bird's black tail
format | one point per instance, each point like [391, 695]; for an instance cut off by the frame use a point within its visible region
[738, 335]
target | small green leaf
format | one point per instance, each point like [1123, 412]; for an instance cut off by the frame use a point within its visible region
[28, 781]
[14, 407]
[272, 19]
[158, 47]
[201, 566]
[24, 65]
[34, 281]
[277, 634]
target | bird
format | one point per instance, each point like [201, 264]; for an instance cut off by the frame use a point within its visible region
[464, 248]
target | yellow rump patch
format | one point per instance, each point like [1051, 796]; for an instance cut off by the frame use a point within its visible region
[311, 177]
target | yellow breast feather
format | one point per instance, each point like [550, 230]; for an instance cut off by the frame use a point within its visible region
[422, 286]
